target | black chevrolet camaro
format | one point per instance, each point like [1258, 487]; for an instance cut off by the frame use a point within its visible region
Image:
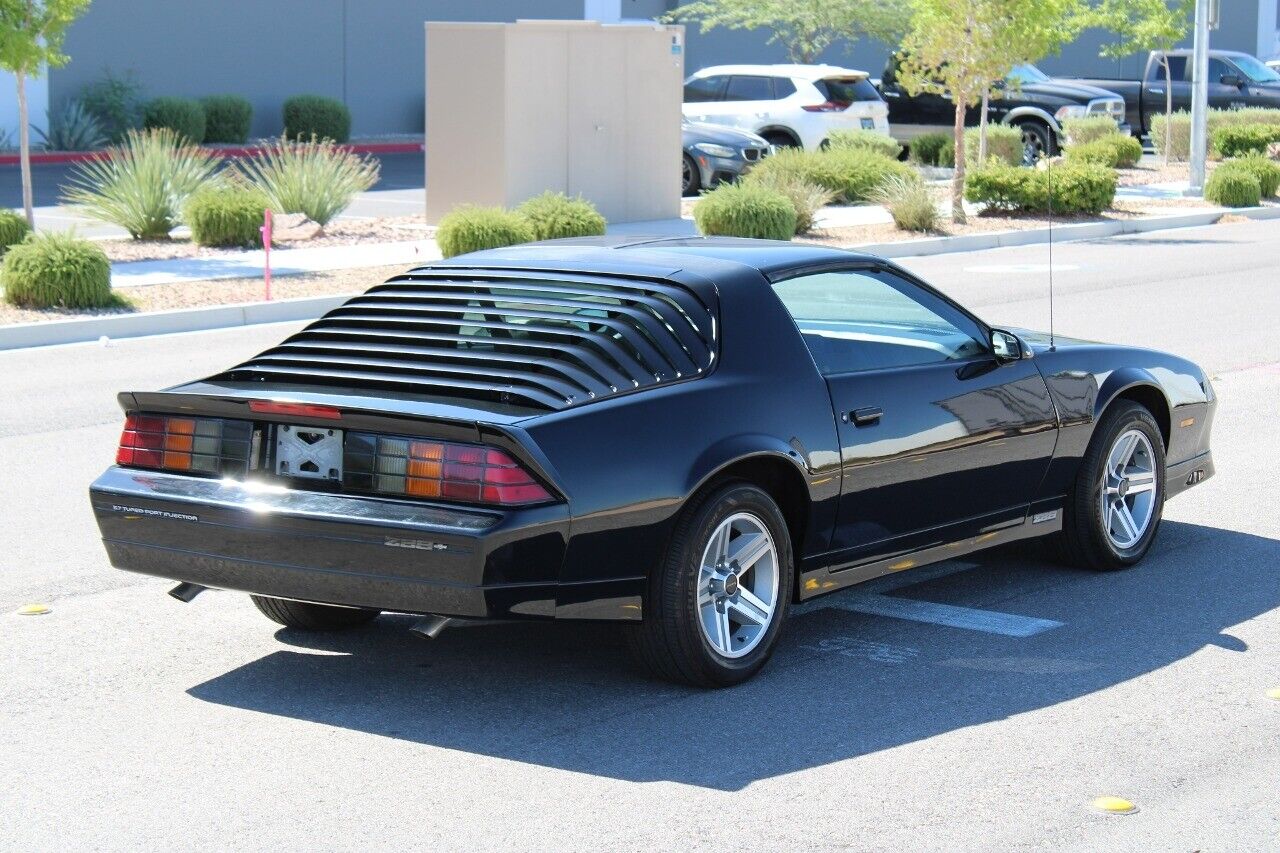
[685, 435]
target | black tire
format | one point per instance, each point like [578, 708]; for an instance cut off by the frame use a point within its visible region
[670, 642]
[1037, 140]
[691, 180]
[312, 617]
[1083, 541]
[779, 139]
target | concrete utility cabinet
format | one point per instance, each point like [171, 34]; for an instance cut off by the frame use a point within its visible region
[578, 107]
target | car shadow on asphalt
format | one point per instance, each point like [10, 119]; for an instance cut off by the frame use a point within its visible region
[842, 683]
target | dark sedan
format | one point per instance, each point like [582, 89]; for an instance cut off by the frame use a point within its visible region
[683, 435]
[713, 153]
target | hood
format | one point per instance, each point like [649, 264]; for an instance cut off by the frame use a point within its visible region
[1056, 87]
[1039, 341]
[695, 131]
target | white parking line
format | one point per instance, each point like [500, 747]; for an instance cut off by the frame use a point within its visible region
[968, 618]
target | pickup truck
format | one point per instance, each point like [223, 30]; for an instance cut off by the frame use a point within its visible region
[1236, 80]
[1028, 99]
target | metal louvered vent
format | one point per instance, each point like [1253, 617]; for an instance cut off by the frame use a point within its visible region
[507, 337]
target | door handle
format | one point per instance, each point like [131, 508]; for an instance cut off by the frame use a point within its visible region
[864, 416]
[1157, 91]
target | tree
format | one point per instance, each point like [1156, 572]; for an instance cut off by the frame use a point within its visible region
[1143, 25]
[805, 27]
[31, 36]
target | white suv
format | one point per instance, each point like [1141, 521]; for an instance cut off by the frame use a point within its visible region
[797, 105]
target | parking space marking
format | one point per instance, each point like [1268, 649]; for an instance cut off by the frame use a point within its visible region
[968, 618]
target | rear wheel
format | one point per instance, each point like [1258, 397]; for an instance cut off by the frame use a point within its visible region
[312, 617]
[778, 139]
[716, 604]
[1114, 509]
[690, 181]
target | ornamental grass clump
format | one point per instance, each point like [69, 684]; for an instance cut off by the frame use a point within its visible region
[13, 229]
[911, 204]
[226, 214]
[317, 179]
[57, 270]
[806, 198]
[745, 210]
[142, 184]
[554, 215]
[871, 140]
[853, 174]
[472, 229]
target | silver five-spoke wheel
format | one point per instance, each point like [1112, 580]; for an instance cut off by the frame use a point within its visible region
[1128, 489]
[738, 585]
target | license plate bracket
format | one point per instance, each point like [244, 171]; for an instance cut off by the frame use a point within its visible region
[308, 452]
[868, 124]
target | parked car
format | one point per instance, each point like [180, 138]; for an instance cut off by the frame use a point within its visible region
[1236, 80]
[788, 105]
[1030, 100]
[713, 153]
[682, 434]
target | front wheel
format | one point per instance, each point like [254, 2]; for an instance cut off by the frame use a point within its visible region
[312, 617]
[690, 178]
[1037, 142]
[717, 602]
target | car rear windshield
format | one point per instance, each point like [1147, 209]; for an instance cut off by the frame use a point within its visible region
[847, 90]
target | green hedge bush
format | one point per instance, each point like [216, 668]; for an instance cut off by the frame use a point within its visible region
[57, 270]
[1181, 129]
[746, 210]
[1239, 140]
[806, 198]
[1232, 188]
[1128, 149]
[306, 116]
[872, 140]
[1079, 131]
[226, 118]
[1004, 144]
[1077, 188]
[13, 229]
[1116, 150]
[181, 115]
[227, 214]
[926, 148]
[554, 215]
[1262, 169]
[472, 229]
[853, 174]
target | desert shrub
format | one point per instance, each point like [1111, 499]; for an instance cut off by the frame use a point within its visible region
[316, 179]
[226, 118]
[1181, 128]
[226, 214]
[142, 184]
[872, 140]
[116, 102]
[1076, 188]
[1178, 132]
[1128, 150]
[13, 229]
[1097, 152]
[1238, 140]
[926, 147]
[1004, 144]
[1263, 170]
[472, 229]
[911, 204]
[1232, 188]
[72, 128]
[57, 270]
[307, 116]
[852, 173]
[1079, 131]
[746, 210]
[182, 115]
[806, 198]
[554, 215]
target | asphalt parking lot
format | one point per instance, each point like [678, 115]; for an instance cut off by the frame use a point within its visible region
[980, 704]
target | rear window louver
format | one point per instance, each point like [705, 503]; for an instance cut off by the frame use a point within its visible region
[506, 337]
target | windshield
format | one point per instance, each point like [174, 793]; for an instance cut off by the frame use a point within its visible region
[1255, 70]
[1026, 73]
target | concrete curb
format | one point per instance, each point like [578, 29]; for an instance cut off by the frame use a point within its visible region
[224, 151]
[165, 322]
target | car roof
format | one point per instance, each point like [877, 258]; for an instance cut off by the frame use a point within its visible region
[797, 72]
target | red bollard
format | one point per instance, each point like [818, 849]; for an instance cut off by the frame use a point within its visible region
[266, 253]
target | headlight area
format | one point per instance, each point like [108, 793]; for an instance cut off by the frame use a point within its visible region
[713, 150]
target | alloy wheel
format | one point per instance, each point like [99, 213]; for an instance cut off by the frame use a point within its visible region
[1128, 496]
[738, 585]
[1033, 146]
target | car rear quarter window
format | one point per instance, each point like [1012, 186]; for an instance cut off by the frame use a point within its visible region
[704, 89]
[744, 87]
[783, 88]
[854, 320]
[847, 90]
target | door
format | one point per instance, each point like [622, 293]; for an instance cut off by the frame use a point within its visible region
[1154, 87]
[1226, 86]
[748, 101]
[911, 115]
[938, 440]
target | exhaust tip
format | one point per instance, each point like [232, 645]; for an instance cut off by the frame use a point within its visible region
[184, 592]
[431, 627]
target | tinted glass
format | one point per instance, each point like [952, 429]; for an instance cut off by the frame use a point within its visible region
[847, 90]
[1255, 70]
[1024, 74]
[867, 319]
[783, 88]
[1177, 69]
[742, 88]
[1217, 68]
[704, 89]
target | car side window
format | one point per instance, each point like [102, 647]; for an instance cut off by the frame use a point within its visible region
[870, 319]
[704, 89]
[783, 88]
[1177, 70]
[747, 88]
[1217, 68]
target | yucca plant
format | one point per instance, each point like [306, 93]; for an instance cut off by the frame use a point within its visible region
[72, 128]
[317, 179]
[142, 184]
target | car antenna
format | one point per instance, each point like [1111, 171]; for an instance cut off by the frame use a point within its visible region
[1049, 168]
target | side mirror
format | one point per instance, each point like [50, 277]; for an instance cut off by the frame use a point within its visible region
[1232, 80]
[1007, 347]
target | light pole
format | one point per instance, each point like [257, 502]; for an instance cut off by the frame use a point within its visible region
[1199, 98]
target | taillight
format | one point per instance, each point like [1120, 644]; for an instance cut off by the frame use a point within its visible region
[400, 465]
[200, 445]
[826, 107]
